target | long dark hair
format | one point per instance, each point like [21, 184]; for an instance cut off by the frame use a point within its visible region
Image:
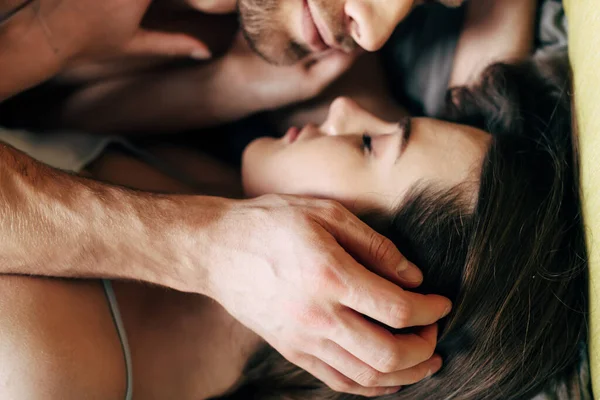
[514, 266]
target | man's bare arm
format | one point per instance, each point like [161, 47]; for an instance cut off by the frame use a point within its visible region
[236, 252]
[494, 30]
[56, 224]
[235, 86]
[158, 102]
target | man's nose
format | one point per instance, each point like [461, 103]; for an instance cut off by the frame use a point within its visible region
[373, 21]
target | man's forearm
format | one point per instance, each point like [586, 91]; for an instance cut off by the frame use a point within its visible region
[166, 101]
[56, 224]
[494, 30]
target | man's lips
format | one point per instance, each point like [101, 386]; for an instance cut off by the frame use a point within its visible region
[322, 27]
[312, 35]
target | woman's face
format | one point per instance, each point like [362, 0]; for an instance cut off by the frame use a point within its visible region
[362, 161]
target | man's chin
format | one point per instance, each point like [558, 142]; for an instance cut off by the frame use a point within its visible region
[277, 53]
[276, 56]
[266, 30]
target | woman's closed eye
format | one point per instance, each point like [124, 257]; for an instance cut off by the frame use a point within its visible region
[367, 143]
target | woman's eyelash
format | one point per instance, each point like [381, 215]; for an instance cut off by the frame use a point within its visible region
[366, 142]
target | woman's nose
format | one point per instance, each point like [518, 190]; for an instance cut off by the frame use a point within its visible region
[373, 21]
[347, 117]
[343, 115]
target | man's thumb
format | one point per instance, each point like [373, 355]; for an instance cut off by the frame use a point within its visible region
[170, 44]
[325, 70]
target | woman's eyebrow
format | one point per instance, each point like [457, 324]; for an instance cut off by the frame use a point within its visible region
[5, 16]
[405, 129]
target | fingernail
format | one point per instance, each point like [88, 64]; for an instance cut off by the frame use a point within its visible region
[436, 360]
[447, 311]
[439, 361]
[409, 273]
[201, 54]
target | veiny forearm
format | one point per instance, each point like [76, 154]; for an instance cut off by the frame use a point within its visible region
[494, 30]
[56, 224]
[161, 102]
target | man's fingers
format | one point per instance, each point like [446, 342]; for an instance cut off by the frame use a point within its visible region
[324, 71]
[369, 377]
[382, 350]
[380, 299]
[211, 6]
[426, 308]
[155, 43]
[374, 251]
[337, 381]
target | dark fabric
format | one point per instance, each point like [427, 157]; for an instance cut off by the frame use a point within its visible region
[418, 57]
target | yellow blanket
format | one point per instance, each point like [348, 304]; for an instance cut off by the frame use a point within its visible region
[584, 50]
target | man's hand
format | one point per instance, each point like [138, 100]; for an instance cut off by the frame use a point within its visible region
[263, 86]
[41, 38]
[276, 263]
[281, 269]
[114, 28]
[227, 89]
[212, 6]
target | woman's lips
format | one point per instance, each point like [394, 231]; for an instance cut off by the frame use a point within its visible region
[311, 34]
[291, 135]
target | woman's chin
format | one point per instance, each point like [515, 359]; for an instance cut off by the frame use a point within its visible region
[252, 159]
[250, 190]
[255, 166]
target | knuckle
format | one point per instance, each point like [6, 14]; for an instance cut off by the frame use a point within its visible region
[293, 356]
[369, 378]
[388, 362]
[301, 223]
[343, 385]
[413, 375]
[314, 318]
[333, 211]
[327, 279]
[381, 247]
[400, 314]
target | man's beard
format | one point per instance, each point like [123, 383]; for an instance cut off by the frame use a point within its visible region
[263, 25]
